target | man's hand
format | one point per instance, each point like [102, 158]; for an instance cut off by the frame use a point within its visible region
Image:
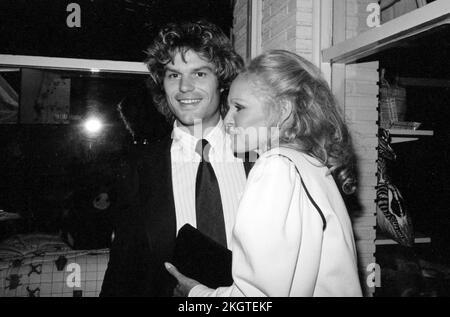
[185, 284]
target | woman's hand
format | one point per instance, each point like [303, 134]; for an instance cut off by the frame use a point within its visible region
[185, 284]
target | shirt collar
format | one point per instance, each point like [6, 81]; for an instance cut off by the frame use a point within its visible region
[215, 136]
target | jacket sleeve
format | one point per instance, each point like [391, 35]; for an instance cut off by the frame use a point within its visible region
[126, 267]
[267, 234]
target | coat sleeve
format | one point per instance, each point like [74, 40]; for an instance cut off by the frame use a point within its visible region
[267, 235]
[126, 268]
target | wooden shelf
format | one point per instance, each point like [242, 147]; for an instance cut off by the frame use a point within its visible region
[424, 82]
[384, 240]
[411, 132]
[389, 34]
[408, 135]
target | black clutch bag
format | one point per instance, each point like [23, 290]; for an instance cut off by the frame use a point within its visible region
[202, 259]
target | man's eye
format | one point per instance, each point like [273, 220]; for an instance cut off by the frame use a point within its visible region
[201, 74]
[172, 75]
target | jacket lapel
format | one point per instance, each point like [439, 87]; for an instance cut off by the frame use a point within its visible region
[159, 211]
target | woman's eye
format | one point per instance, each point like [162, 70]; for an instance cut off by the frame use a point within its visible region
[238, 107]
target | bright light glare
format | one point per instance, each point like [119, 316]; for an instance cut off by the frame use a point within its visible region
[93, 125]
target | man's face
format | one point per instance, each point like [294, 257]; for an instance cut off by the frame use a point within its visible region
[192, 90]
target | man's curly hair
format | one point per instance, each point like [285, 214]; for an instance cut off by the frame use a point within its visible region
[205, 39]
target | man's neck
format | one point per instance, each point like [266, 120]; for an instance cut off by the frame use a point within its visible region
[199, 130]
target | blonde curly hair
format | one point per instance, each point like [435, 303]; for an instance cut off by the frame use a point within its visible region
[315, 126]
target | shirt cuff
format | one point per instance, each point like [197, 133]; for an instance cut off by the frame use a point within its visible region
[200, 290]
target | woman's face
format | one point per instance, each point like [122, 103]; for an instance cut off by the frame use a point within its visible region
[249, 119]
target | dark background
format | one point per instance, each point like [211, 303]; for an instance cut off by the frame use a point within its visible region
[51, 173]
[421, 171]
[110, 29]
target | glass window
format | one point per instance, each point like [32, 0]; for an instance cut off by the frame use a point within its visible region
[64, 138]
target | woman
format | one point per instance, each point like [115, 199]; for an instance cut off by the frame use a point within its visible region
[293, 236]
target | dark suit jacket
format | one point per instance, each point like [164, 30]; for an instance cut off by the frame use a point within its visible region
[146, 227]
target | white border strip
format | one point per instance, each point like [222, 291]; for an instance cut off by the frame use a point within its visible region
[73, 64]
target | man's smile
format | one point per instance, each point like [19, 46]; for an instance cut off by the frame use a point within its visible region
[189, 101]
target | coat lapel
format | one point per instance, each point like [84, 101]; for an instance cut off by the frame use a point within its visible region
[159, 211]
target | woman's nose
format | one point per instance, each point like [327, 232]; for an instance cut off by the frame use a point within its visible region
[229, 121]
[186, 84]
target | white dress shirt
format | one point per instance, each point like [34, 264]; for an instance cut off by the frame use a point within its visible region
[229, 171]
[279, 245]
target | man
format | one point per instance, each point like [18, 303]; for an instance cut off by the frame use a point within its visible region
[191, 67]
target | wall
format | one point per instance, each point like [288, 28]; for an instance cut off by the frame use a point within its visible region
[285, 24]
[240, 27]
[360, 106]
